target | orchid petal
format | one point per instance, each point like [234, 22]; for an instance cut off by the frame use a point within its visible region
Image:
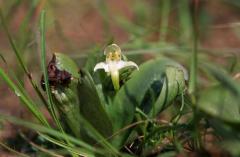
[101, 65]
[122, 64]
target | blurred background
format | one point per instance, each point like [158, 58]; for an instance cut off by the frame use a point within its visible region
[148, 27]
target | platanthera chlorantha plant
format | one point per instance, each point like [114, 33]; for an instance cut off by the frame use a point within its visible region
[90, 113]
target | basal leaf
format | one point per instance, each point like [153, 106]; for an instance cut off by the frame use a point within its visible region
[63, 62]
[63, 75]
[223, 77]
[221, 100]
[167, 72]
[91, 107]
[220, 103]
[66, 100]
[173, 85]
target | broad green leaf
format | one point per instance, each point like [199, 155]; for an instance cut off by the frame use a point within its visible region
[91, 107]
[63, 62]
[65, 97]
[220, 103]
[173, 86]
[224, 78]
[222, 100]
[231, 145]
[229, 134]
[66, 100]
[133, 92]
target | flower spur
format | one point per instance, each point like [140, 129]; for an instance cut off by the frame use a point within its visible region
[114, 63]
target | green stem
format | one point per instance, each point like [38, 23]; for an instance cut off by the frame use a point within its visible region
[194, 59]
[164, 22]
[193, 76]
[185, 21]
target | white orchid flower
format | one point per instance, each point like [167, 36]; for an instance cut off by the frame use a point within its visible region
[114, 63]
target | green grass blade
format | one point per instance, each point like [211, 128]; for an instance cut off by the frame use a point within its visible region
[185, 21]
[102, 8]
[20, 87]
[13, 151]
[194, 58]
[164, 20]
[31, 106]
[43, 129]
[51, 104]
[2, 58]
[45, 73]
[25, 32]
[99, 137]
[20, 59]
[40, 148]
[17, 53]
[194, 75]
[78, 151]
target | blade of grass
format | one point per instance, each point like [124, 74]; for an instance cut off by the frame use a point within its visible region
[11, 9]
[194, 58]
[103, 141]
[45, 73]
[19, 57]
[164, 20]
[25, 29]
[51, 104]
[23, 91]
[19, 85]
[2, 58]
[43, 129]
[13, 151]
[185, 21]
[78, 151]
[29, 104]
[44, 150]
[103, 10]
[20, 60]
[193, 77]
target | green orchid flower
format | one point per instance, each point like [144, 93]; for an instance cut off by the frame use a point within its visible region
[114, 63]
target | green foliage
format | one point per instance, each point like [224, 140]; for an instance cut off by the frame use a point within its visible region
[220, 103]
[156, 112]
[63, 62]
[91, 107]
[221, 100]
[171, 83]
